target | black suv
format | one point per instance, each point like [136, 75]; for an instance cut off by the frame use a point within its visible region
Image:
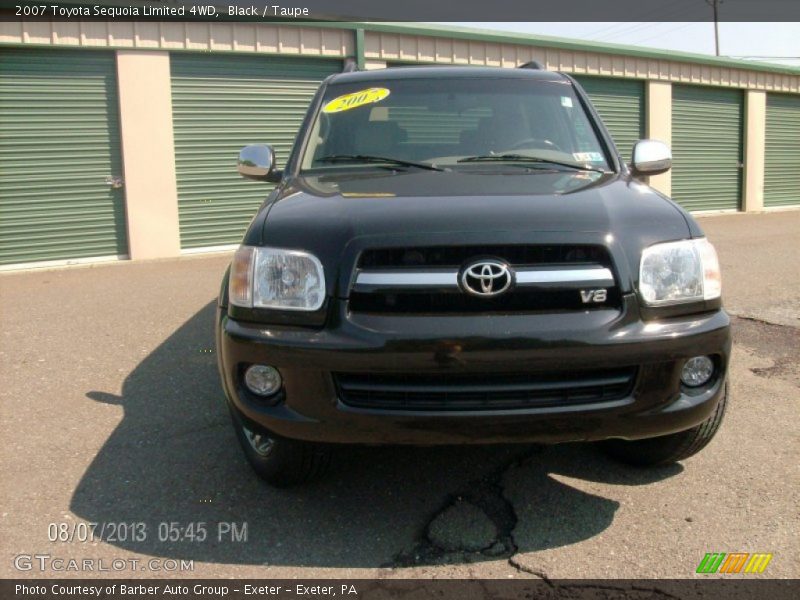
[460, 255]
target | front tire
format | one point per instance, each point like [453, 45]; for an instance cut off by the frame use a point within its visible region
[279, 461]
[668, 449]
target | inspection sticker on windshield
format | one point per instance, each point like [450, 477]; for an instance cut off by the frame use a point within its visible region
[587, 156]
[356, 99]
[566, 101]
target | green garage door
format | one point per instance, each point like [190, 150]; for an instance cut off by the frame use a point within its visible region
[221, 103]
[59, 141]
[782, 167]
[706, 147]
[620, 103]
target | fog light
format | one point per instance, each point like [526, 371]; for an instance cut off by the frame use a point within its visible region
[262, 380]
[697, 371]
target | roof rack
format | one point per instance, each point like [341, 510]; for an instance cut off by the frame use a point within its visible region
[534, 64]
[350, 65]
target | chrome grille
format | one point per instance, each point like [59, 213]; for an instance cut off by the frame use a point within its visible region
[425, 280]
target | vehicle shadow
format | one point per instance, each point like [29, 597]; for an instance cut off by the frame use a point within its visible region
[174, 461]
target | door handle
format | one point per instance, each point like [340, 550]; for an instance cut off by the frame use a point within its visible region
[114, 182]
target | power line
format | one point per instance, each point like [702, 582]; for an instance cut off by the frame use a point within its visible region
[662, 33]
[599, 34]
[606, 31]
[659, 13]
[633, 28]
[602, 30]
[629, 30]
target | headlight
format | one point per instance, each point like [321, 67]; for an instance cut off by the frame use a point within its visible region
[678, 272]
[276, 278]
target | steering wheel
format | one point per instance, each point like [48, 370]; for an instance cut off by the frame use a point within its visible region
[536, 142]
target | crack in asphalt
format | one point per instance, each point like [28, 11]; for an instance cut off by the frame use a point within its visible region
[627, 593]
[761, 321]
[513, 562]
[485, 494]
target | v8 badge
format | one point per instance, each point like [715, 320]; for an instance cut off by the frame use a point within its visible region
[594, 296]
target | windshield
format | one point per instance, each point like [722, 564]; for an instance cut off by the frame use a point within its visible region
[444, 121]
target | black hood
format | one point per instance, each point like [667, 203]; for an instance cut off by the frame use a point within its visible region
[334, 216]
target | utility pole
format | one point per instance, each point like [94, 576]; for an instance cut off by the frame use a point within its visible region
[714, 4]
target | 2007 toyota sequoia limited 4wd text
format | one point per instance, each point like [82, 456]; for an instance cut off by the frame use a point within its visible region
[460, 255]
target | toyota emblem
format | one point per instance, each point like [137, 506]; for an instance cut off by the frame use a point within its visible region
[486, 278]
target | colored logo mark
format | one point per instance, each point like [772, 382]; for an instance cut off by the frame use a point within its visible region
[734, 562]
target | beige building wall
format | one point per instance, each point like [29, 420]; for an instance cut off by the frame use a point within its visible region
[246, 37]
[151, 195]
[755, 123]
[658, 125]
[370, 65]
[396, 46]
[445, 48]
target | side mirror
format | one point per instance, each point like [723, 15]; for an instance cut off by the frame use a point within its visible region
[257, 161]
[651, 157]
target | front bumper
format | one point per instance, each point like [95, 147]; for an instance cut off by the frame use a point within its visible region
[310, 407]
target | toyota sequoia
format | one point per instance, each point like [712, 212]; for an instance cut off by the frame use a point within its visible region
[461, 255]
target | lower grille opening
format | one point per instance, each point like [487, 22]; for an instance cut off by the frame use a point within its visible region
[465, 392]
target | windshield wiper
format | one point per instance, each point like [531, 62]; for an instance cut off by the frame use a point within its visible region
[379, 159]
[526, 159]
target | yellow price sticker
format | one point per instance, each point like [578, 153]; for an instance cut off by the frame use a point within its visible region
[356, 99]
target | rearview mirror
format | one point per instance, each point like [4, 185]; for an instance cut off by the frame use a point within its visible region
[651, 157]
[257, 161]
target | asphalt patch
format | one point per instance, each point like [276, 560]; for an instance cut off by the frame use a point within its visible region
[473, 524]
[778, 343]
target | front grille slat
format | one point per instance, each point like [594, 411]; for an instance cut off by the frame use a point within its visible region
[448, 392]
[424, 280]
[455, 256]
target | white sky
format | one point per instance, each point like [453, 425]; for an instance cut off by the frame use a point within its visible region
[736, 39]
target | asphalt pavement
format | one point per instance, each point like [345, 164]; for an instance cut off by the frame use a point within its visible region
[116, 446]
